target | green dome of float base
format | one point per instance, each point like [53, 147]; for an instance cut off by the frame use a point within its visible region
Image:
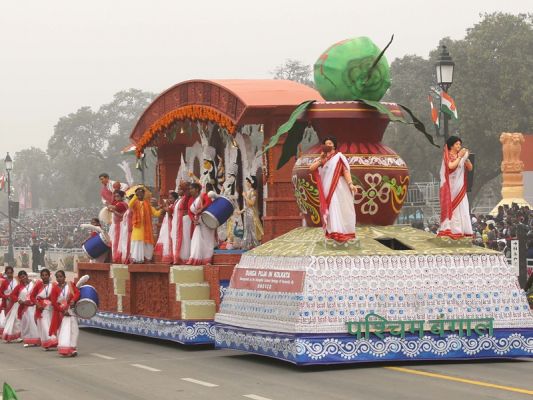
[342, 72]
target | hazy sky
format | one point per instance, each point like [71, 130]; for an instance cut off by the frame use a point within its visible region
[59, 55]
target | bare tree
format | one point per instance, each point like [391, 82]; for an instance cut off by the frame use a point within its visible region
[294, 70]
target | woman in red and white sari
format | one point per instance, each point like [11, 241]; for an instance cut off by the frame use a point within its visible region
[203, 237]
[118, 208]
[25, 310]
[7, 284]
[40, 296]
[181, 226]
[126, 227]
[164, 246]
[334, 180]
[455, 219]
[64, 321]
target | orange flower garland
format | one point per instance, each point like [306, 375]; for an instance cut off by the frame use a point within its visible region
[202, 113]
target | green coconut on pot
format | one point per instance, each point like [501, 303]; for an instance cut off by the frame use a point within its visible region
[352, 69]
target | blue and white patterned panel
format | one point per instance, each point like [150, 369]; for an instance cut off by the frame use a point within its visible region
[324, 349]
[185, 332]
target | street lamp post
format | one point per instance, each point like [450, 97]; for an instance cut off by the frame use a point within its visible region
[10, 253]
[444, 69]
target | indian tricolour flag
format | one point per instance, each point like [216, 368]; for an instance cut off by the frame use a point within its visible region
[434, 112]
[130, 149]
[447, 105]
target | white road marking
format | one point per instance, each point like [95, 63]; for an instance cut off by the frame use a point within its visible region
[102, 356]
[145, 367]
[255, 397]
[203, 383]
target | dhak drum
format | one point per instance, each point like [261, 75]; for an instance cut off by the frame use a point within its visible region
[97, 245]
[217, 212]
[87, 305]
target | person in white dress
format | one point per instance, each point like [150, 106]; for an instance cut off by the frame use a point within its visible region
[24, 311]
[7, 284]
[455, 221]
[203, 237]
[336, 189]
[64, 321]
[40, 297]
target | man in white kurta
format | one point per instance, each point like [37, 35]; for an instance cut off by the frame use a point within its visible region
[334, 181]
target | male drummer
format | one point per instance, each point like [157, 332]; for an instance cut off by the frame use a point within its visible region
[142, 237]
[108, 187]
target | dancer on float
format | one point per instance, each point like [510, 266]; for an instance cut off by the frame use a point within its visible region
[109, 187]
[40, 296]
[126, 226]
[142, 238]
[182, 226]
[336, 189]
[118, 208]
[7, 284]
[64, 323]
[203, 238]
[163, 245]
[455, 219]
[26, 310]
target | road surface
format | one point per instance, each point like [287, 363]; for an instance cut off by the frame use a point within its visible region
[114, 366]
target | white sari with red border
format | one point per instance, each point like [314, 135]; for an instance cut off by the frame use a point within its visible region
[44, 318]
[67, 336]
[455, 219]
[203, 238]
[11, 327]
[181, 231]
[337, 208]
[29, 331]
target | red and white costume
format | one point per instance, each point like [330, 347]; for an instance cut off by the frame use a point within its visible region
[115, 229]
[40, 296]
[25, 312]
[125, 237]
[164, 246]
[203, 237]
[455, 219]
[181, 231]
[106, 191]
[6, 288]
[336, 199]
[65, 325]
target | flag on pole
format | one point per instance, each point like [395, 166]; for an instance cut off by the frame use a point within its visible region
[8, 393]
[129, 149]
[447, 104]
[2, 182]
[434, 112]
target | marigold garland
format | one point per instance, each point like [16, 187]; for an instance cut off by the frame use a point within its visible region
[196, 112]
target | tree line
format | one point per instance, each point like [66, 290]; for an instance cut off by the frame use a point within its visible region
[493, 90]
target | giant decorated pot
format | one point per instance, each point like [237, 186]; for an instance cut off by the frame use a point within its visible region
[380, 175]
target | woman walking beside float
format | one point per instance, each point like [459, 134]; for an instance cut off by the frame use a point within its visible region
[40, 296]
[64, 321]
[24, 311]
[7, 284]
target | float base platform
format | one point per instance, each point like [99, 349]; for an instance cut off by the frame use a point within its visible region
[184, 332]
[318, 349]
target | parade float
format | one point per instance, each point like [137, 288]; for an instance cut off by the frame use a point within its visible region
[395, 293]
[215, 129]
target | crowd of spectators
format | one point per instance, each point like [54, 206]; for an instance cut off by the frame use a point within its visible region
[496, 232]
[55, 228]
